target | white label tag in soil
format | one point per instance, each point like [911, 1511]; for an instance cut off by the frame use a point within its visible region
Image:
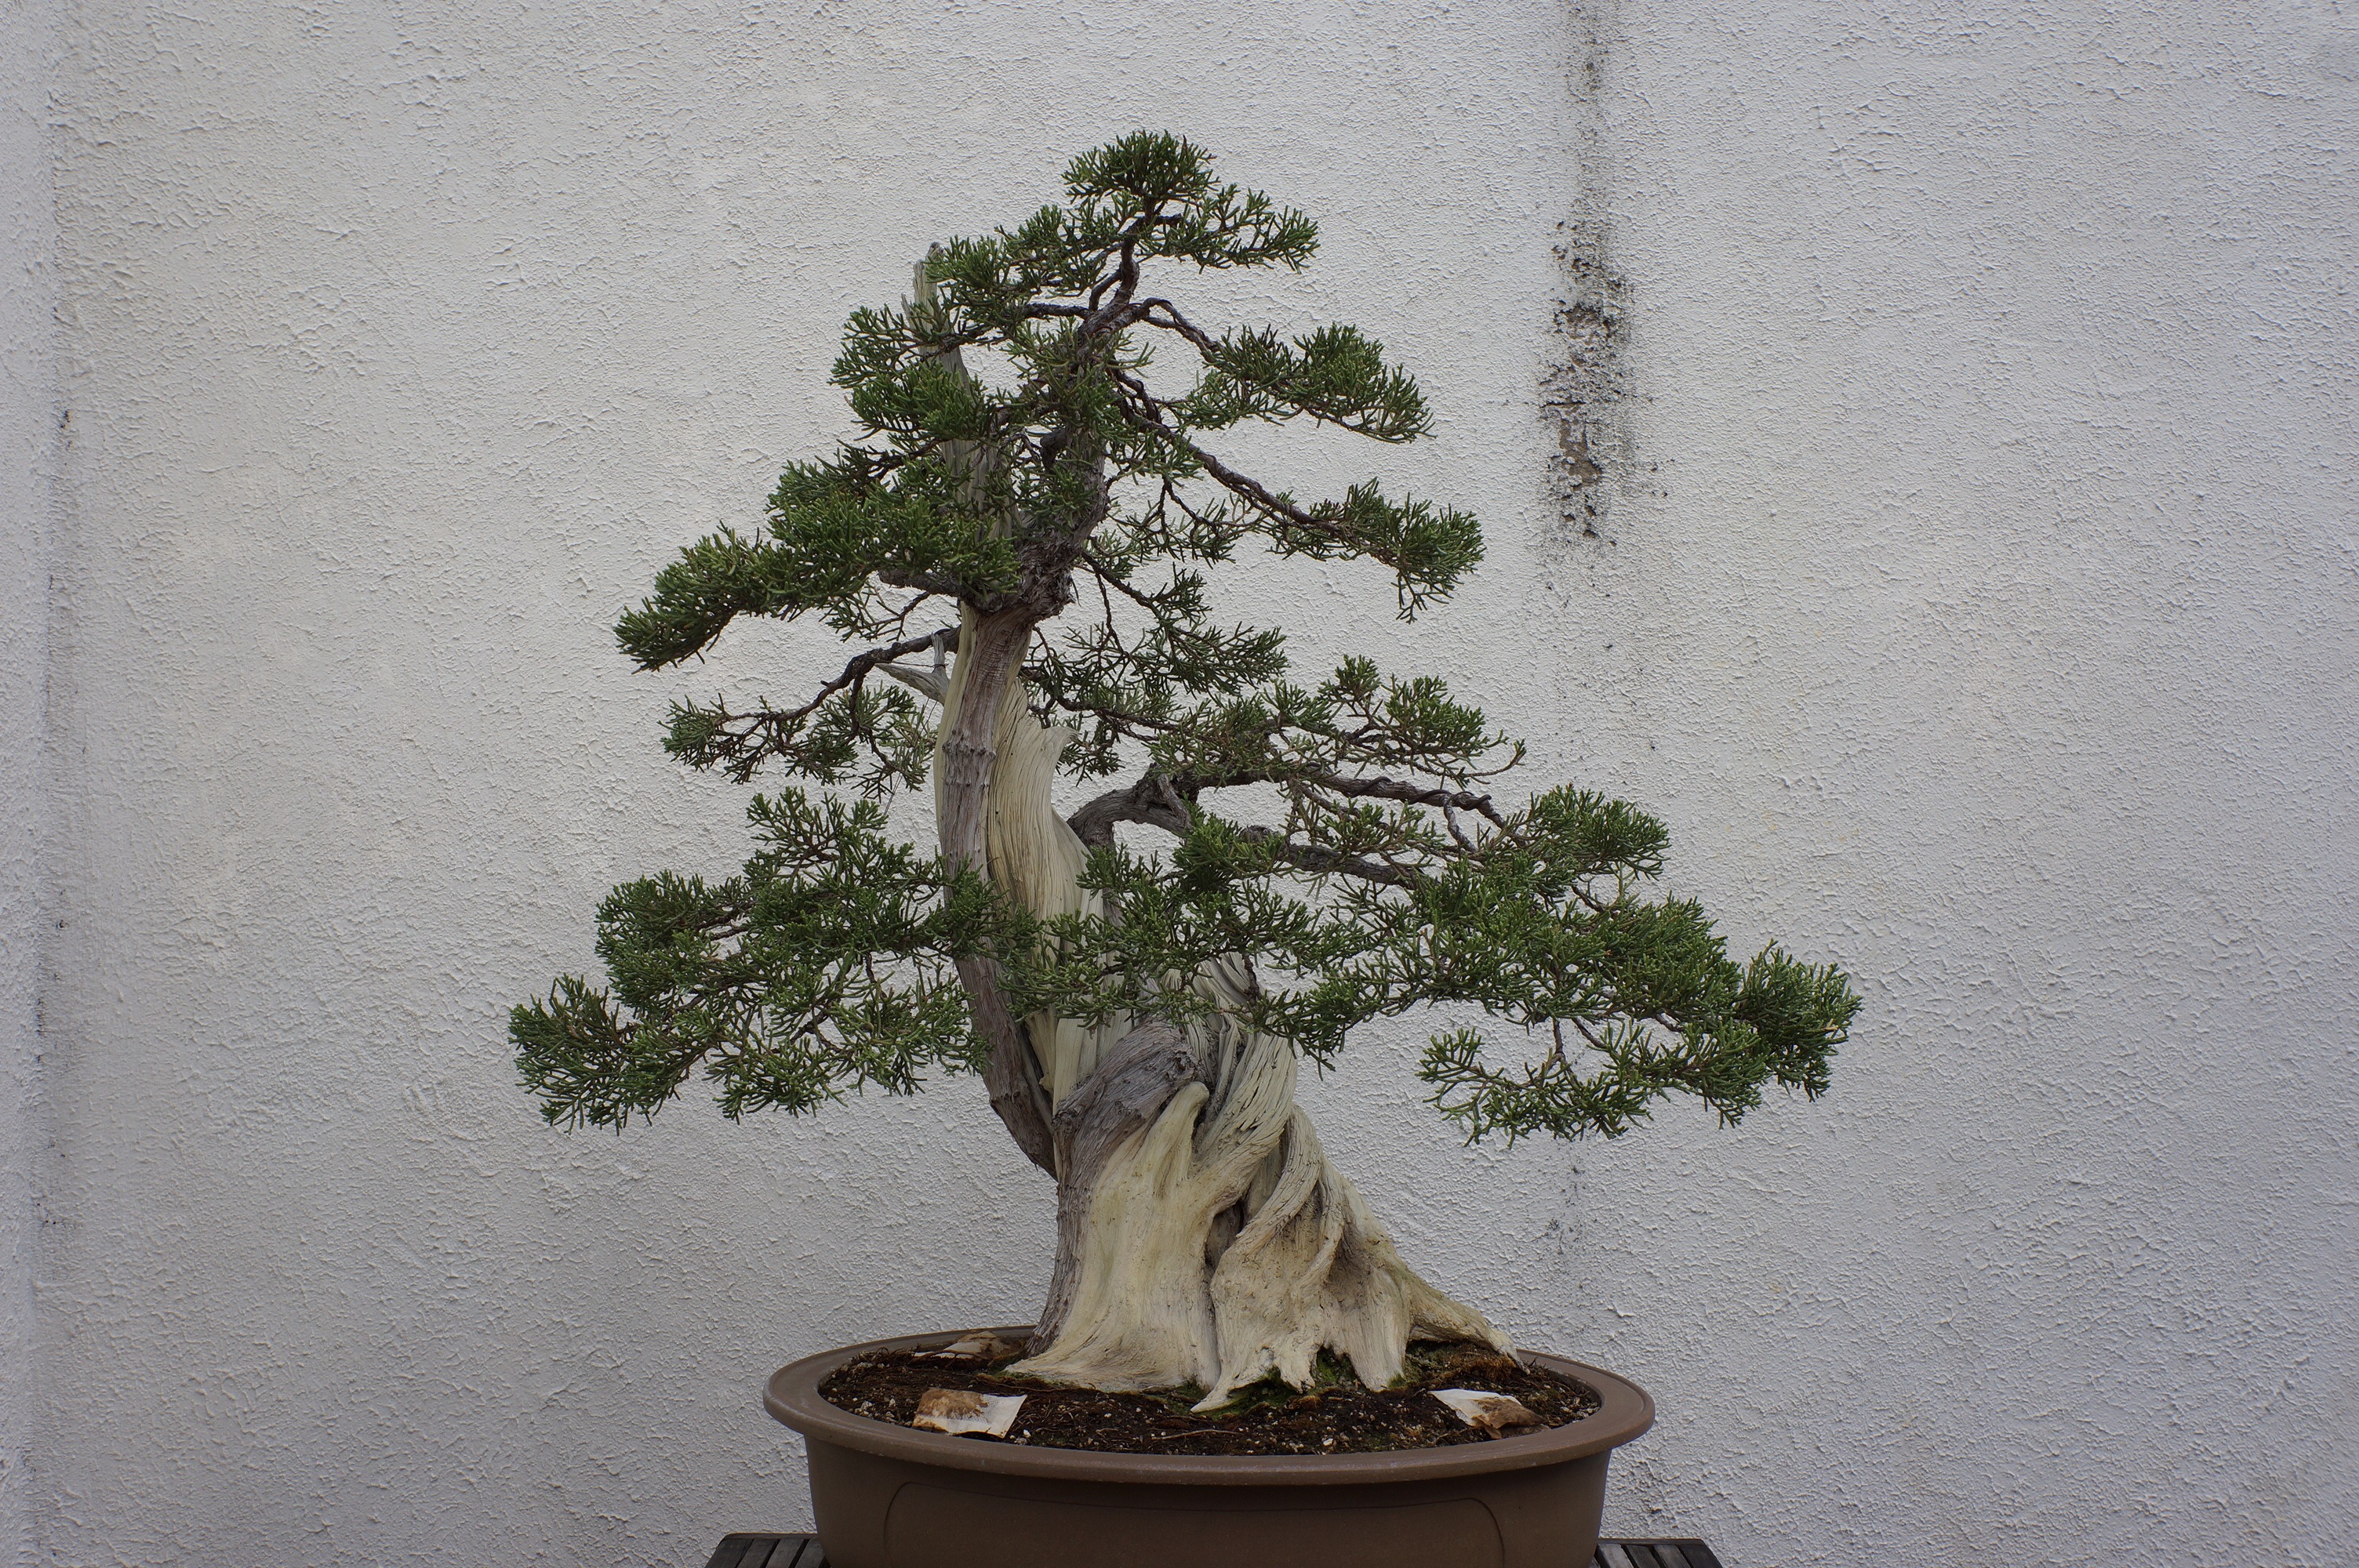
[1493, 1415]
[957, 1410]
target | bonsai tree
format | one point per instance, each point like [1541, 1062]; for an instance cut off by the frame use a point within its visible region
[1020, 545]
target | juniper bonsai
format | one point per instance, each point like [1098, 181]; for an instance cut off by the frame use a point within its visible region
[1018, 545]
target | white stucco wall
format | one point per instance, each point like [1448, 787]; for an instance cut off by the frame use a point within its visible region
[1976, 601]
[29, 406]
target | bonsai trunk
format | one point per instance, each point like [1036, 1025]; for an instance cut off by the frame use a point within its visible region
[1203, 1237]
[1201, 1234]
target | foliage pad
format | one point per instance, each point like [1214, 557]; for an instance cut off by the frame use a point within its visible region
[1059, 485]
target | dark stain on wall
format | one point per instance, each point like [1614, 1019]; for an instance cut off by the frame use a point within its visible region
[1586, 385]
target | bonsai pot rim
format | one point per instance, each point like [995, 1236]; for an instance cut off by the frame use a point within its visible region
[793, 1397]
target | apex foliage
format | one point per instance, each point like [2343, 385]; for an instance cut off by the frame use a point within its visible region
[1014, 460]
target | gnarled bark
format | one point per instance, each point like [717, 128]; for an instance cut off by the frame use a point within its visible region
[1203, 1236]
[983, 686]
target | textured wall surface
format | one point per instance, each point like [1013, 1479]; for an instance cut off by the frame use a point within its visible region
[29, 423]
[1995, 622]
[1964, 413]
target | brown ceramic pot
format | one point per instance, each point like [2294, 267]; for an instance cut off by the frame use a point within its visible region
[892, 1497]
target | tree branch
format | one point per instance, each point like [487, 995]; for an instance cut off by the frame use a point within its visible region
[1322, 862]
[1142, 801]
[1240, 484]
[782, 725]
[1414, 795]
[861, 664]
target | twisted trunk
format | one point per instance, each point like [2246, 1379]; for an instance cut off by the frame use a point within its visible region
[984, 685]
[1203, 1236]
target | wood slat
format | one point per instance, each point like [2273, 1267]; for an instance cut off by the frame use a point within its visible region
[1683, 1552]
[750, 1551]
[768, 1551]
[730, 1553]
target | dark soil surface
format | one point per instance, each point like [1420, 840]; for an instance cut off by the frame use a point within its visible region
[1337, 1416]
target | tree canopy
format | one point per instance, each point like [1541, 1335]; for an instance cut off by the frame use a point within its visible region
[1021, 459]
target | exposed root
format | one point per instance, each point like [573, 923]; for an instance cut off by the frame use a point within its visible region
[1220, 1245]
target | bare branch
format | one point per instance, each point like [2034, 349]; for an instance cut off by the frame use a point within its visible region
[1107, 578]
[1154, 801]
[1322, 862]
[782, 724]
[1172, 321]
[1414, 795]
[1142, 801]
[1244, 486]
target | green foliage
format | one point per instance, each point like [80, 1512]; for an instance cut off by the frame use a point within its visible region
[1539, 920]
[1015, 459]
[827, 966]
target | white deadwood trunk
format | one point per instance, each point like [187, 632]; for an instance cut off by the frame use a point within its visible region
[1202, 1235]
